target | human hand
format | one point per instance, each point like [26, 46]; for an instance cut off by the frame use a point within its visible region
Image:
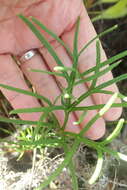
[16, 39]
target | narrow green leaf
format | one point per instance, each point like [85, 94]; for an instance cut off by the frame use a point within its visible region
[116, 11]
[19, 122]
[39, 126]
[26, 93]
[108, 104]
[98, 60]
[123, 97]
[6, 131]
[95, 90]
[75, 58]
[43, 41]
[75, 45]
[98, 169]
[98, 74]
[111, 92]
[99, 106]
[37, 109]
[96, 146]
[107, 62]
[47, 72]
[87, 126]
[98, 36]
[110, 82]
[108, 1]
[98, 115]
[52, 34]
[115, 133]
[81, 98]
[122, 156]
[42, 142]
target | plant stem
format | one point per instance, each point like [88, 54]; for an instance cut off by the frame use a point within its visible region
[66, 161]
[65, 120]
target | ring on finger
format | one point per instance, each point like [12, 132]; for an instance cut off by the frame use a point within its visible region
[28, 55]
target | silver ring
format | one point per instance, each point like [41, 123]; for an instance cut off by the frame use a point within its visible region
[28, 55]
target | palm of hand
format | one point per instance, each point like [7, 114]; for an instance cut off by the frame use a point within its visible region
[16, 38]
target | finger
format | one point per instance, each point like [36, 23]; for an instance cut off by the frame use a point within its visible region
[98, 129]
[15, 35]
[45, 85]
[88, 60]
[11, 75]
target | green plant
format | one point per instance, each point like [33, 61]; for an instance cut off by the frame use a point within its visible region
[118, 10]
[51, 134]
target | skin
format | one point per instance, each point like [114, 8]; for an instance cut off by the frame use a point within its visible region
[16, 39]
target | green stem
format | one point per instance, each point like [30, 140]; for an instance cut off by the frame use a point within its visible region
[81, 98]
[73, 175]
[66, 161]
[65, 120]
[72, 169]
